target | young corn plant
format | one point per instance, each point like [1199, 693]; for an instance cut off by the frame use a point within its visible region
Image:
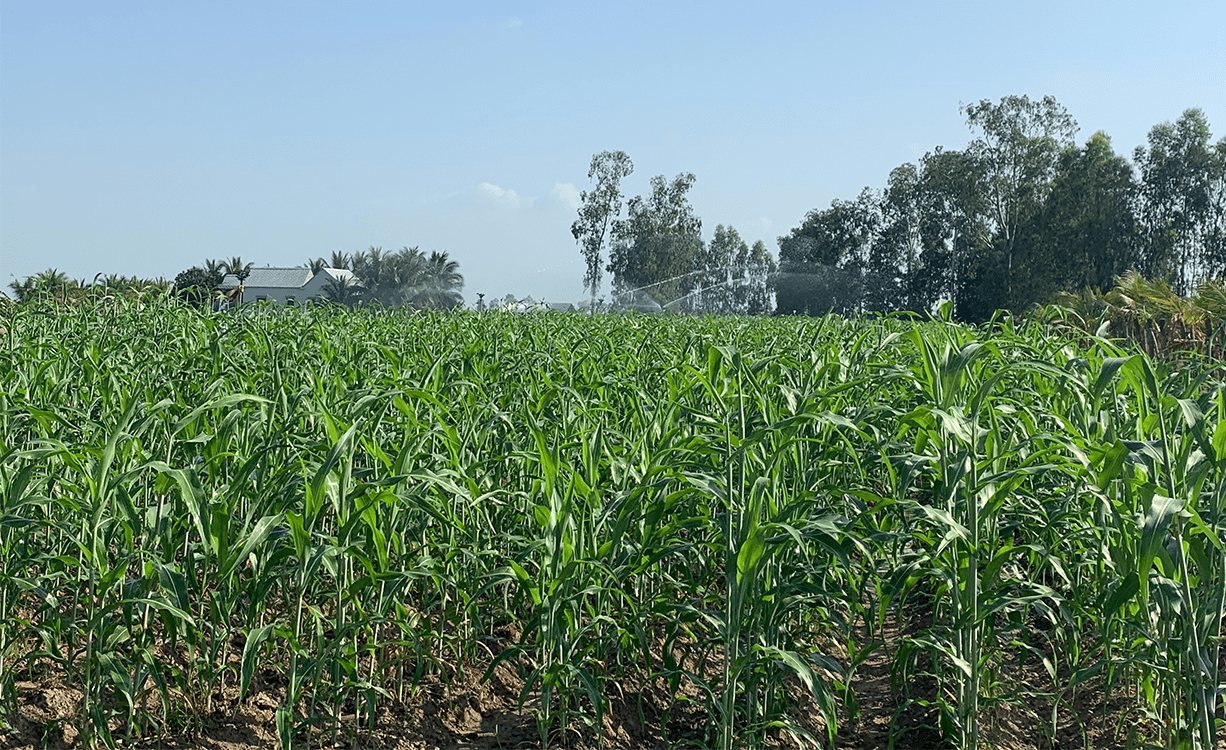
[761, 537]
[1177, 479]
[561, 589]
[980, 467]
[361, 502]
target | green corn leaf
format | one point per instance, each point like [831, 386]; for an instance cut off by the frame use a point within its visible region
[194, 497]
[168, 608]
[284, 720]
[749, 555]
[251, 650]
[258, 535]
[943, 520]
[800, 667]
[1153, 530]
[316, 490]
[224, 402]
[1085, 673]
[1106, 373]
[174, 583]
[1219, 441]
[1123, 593]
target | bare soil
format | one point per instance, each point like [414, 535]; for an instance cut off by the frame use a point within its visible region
[467, 712]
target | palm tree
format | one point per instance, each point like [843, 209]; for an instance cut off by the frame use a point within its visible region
[391, 278]
[132, 287]
[378, 273]
[113, 284]
[316, 265]
[340, 260]
[236, 266]
[50, 283]
[440, 284]
[1210, 298]
[409, 272]
[24, 290]
[411, 269]
[239, 270]
[343, 292]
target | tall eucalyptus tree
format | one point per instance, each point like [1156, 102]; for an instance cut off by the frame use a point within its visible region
[1018, 150]
[599, 212]
[1183, 202]
[1085, 234]
[659, 246]
[821, 262]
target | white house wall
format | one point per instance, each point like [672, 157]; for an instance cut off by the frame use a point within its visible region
[315, 287]
[280, 295]
[312, 288]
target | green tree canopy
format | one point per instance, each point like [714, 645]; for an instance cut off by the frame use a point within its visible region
[822, 261]
[1183, 211]
[196, 284]
[1017, 151]
[659, 245]
[1084, 236]
[599, 211]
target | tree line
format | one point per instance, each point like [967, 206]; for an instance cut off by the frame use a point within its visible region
[56, 285]
[403, 278]
[656, 250]
[1018, 216]
[407, 277]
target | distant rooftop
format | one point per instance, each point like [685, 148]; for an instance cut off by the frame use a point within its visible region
[339, 274]
[271, 278]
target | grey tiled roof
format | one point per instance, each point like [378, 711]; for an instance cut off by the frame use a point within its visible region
[271, 278]
[340, 274]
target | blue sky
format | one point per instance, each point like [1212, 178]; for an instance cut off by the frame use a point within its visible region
[140, 138]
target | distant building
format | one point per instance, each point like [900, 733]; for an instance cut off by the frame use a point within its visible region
[285, 286]
[511, 304]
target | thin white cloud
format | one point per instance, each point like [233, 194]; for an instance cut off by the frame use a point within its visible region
[512, 24]
[503, 196]
[567, 194]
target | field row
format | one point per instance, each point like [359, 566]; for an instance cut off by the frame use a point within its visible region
[353, 504]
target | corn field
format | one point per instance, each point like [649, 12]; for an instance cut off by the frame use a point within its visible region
[352, 505]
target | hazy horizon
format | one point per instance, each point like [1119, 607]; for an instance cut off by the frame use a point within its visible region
[141, 139]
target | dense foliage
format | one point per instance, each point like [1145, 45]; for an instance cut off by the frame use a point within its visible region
[404, 278]
[197, 285]
[1021, 214]
[736, 506]
[1149, 313]
[54, 285]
